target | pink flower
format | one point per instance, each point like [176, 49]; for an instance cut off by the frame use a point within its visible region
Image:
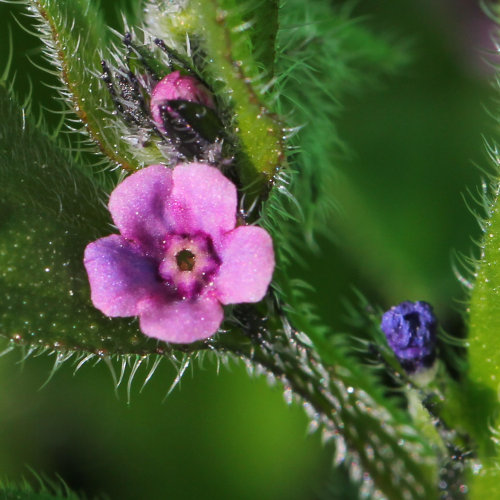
[180, 256]
[174, 87]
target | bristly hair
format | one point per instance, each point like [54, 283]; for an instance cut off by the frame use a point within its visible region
[40, 487]
[322, 55]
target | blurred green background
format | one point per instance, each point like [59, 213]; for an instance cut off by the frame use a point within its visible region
[414, 141]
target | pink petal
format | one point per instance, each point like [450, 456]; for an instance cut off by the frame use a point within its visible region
[119, 275]
[180, 321]
[138, 204]
[175, 86]
[202, 200]
[247, 265]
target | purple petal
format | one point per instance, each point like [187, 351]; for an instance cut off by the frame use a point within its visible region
[202, 200]
[247, 265]
[138, 204]
[120, 275]
[181, 321]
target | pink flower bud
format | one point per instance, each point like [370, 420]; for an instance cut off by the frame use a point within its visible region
[175, 86]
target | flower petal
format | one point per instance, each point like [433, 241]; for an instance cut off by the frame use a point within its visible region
[247, 265]
[181, 321]
[138, 205]
[119, 275]
[202, 200]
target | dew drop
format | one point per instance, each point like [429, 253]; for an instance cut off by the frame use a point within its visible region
[135, 339]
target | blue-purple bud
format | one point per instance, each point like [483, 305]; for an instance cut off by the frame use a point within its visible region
[410, 328]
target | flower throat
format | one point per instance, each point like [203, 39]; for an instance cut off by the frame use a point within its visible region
[185, 260]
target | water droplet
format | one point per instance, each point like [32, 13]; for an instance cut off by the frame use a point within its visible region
[476, 468]
[135, 339]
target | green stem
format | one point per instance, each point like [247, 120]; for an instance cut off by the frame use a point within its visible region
[481, 404]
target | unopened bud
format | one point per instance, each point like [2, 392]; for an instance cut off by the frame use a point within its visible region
[174, 87]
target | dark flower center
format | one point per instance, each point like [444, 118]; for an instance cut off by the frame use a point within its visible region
[413, 320]
[185, 260]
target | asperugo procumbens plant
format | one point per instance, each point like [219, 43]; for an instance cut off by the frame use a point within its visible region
[203, 132]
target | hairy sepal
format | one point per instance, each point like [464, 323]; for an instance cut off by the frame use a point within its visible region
[230, 57]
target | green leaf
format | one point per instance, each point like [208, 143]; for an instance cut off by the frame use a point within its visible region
[372, 433]
[76, 39]
[50, 210]
[484, 315]
[262, 18]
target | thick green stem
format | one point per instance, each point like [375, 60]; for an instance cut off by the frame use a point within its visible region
[483, 389]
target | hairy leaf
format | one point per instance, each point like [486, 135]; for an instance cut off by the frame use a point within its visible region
[50, 210]
[76, 40]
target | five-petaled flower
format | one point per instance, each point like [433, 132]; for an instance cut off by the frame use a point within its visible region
[410, 329]
[180, 256]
